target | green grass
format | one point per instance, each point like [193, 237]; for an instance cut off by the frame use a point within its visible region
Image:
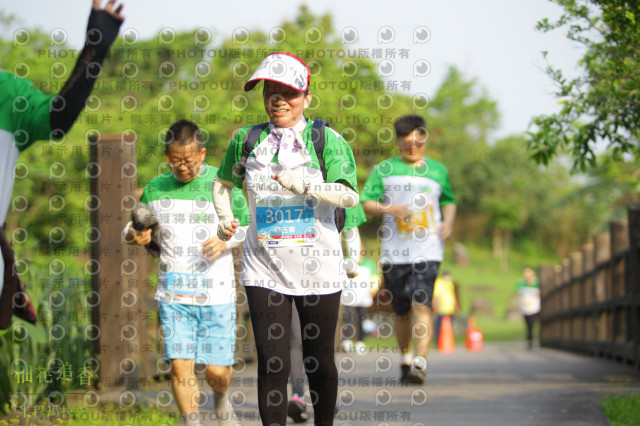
[493, 330]
[102, 415]
[500, 330]
[622, 410]
[483, 277]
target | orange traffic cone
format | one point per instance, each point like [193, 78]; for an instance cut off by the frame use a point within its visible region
[475, 339]
[445, 340]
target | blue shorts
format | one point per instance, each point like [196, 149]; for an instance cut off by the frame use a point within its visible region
[204, 333]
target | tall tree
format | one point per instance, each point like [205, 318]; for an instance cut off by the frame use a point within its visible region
[602, 105]
[460, 118]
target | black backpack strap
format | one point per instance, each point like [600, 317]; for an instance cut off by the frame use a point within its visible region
[318, 138]
[248, 144]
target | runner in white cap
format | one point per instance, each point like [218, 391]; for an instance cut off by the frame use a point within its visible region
[292, 250]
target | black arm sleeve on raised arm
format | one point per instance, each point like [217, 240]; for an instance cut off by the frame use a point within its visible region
[102, 30]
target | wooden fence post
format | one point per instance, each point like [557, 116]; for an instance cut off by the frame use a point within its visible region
[566, 298]
[119, 315]
[619, 243]
[602, 250]
[590, 320]
[619, 323]
[559, 324]
[577, 295]
[547, 285]
[633, 277]
[595, 306]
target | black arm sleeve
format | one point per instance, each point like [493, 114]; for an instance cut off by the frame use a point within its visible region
[102, 30]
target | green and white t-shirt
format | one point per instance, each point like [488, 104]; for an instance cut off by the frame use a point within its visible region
[188, 218]
[423, 189]
[529, 295]
[306, 266]
[24, 119]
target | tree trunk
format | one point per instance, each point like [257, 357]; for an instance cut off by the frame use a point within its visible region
[504, 258]
[497, 243]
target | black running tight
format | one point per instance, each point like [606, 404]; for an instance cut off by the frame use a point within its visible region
[271, 321]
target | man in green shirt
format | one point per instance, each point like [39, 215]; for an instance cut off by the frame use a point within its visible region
[414, 196]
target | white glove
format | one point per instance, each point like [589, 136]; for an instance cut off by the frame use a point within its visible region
[352, 244]
[290, 181]
[238, 237]
[336, 194]
[222, 204]
[351, 248]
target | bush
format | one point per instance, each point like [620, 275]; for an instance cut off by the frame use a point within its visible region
[44, 360]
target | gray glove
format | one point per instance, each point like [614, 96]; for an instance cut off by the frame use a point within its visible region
[142, 218]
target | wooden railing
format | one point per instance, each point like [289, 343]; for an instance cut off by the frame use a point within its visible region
[591, 301]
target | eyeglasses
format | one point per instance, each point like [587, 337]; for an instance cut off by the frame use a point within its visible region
[408, 145]
[178, 164]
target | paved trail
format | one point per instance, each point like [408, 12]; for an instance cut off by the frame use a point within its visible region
[503, 385]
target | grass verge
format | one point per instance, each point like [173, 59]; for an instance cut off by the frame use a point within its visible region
[622, 410]
[101, 415]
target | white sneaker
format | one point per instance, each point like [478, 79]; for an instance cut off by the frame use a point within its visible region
[361, 348]
[347, 346]
[418, 370]
[419, 363]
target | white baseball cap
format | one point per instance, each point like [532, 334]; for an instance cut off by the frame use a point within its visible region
[284, 68]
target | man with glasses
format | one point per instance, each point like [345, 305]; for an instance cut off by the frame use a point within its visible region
[414, 195]
[196, 286]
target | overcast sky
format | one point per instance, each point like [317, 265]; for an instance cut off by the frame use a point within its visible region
[494, 41]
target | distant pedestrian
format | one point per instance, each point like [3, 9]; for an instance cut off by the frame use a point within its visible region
[446, 302]
[528, 289]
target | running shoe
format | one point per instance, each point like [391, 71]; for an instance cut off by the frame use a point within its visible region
[297, 409]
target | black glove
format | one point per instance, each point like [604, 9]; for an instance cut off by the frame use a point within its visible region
[102, 30]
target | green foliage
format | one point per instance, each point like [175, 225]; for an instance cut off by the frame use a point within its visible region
[622, 410]
[601, 106]
[484, 278]
[57, 339]
[101, 415]
[499, 190]
[460, 117]
[147, 85]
